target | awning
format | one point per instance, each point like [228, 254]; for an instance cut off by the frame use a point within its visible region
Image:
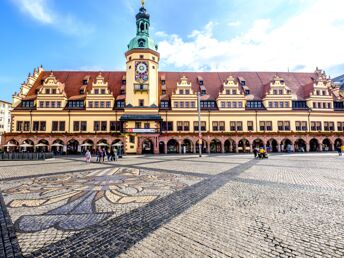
[141, 118]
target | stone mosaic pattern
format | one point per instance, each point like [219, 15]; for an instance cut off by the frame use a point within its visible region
[181, 206]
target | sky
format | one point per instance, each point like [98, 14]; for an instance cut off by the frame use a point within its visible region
[193, 35]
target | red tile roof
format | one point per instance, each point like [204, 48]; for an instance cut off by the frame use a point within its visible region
[300, 84]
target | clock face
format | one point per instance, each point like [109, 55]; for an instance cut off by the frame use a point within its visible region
[141, 71]
[141, 68]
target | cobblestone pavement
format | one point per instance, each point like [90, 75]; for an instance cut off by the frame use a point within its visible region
[176, 206]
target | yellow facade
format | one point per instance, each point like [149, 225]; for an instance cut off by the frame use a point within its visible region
[159, 114]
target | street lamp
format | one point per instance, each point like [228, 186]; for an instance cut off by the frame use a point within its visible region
[199, 124]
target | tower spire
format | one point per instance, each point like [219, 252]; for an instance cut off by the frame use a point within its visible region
[143, 2]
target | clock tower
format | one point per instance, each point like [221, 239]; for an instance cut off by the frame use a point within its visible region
[142, 65]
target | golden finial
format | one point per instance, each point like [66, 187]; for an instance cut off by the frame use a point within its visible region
[143, 2]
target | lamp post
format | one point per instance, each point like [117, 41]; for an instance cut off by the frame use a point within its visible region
[199, 124]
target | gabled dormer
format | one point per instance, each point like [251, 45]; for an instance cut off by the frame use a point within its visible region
[51, 94]
[277, 95]
[100, 97]
[232, 96]
[320, 95]
[26, 86]
[184, 97]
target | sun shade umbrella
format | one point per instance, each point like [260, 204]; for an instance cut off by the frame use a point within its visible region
[10, 145]
[86, 145]
[26, 145]
[41, 145]
[57, 145]
[102, 144]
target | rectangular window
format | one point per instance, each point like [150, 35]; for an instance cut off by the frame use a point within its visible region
[270, 104]
[104, 126]
[203, 126]
[53, 104]
[58, 104]
[286, 104]
[167, 126]
[181, 92]
[340, 126]
[19, 126]
[164, 104]
[96, 91]
[55, 126]
[102, 91]
[181, 104]
[47, 91]
[232, 126]
[176, 104]
[179, 126]
[47, 104]
[222, 126]
[53, 91]
[42, 126]
[108, 104]
[187, 92]
[90, 104]
[138, 125]
[83, 126]
[223, 104]
[239, 126]
[120, 104]
[196, 128]
[35, 126]
[114, 126]
[186, 104]
[62, 126]
[96, 104]
[186, 126]
[146, 125]
[76, 126]
[215, 126]
[193, 104]
[26, 126]
[102, 104]
[234, 92]
[250, 125]
[298, 126]
[96, 126]
[141, 103]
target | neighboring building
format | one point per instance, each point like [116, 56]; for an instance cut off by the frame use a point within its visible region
[339, 81]
[156, 112]
[5, 118]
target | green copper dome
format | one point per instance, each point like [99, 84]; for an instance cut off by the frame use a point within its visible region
[142, 39]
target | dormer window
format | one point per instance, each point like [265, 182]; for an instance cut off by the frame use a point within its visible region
[163, 82]
[200, 82]
[53, 91]
[96, 91]
[122, 92]
[103, 91]
[228, 92]
[247, 92]
[275, 92]
[84, 82]
[164, 104]
[187, 92]
[82, 91]
[181, 92]
[203, 92]
[47, 91]
[163, 92]
[282, 81]
[234, 92]
[280, 92]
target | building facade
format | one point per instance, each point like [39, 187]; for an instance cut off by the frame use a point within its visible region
[150, 111]
[5, 118]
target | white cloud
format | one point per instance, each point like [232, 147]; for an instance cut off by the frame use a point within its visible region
[37, 9]
[312, 38]
[234, 24]
[41, 11]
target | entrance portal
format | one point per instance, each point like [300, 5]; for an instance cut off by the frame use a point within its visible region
[147, 147]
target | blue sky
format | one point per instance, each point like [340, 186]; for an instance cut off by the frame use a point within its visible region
[193, 35]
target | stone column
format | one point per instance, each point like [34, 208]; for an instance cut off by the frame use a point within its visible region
[165, 147]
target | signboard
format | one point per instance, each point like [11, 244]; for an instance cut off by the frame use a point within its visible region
[141, 130]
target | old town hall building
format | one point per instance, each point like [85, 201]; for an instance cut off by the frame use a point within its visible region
[149, 111]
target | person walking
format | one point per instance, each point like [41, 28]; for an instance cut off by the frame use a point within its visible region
[255, 152]
[341, 150]
[88, 157]
[98, 155]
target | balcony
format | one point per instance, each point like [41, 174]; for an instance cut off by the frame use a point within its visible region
[140, 87]
[141, 130]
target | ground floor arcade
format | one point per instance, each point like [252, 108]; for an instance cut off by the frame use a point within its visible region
[172, 143]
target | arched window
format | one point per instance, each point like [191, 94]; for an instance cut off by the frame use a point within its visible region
[141, 42]
[142, 27]
[147, 26]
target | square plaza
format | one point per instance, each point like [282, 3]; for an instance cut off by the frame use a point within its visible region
[175, 206]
